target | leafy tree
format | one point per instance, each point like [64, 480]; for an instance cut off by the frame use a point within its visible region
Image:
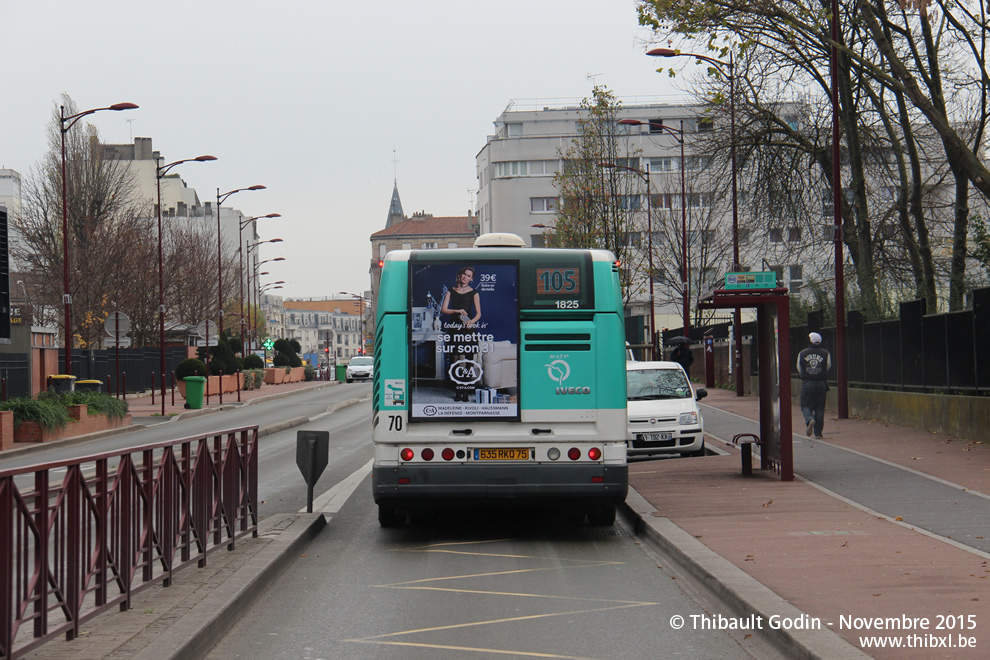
[595, 199]
[904, 76]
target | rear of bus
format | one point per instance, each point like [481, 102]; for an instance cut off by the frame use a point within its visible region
[534, 413]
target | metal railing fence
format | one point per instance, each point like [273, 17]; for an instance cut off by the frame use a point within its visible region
[116, 523]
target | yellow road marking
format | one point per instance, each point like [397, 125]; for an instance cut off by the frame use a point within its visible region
[473, 624]
[447, 647]
[548, 596]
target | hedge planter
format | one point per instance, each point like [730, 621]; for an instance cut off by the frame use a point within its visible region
[230, 384]
[82, 423]
[275, 375]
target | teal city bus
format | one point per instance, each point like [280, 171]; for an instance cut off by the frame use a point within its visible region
[500, 378]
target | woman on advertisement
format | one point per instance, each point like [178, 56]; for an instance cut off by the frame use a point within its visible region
[462, 309]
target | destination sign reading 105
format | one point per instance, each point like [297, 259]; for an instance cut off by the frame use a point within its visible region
[557, 281]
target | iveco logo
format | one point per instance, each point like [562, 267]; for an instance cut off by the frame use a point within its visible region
[573, 390]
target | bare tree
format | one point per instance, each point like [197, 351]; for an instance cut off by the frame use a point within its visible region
[106, 237]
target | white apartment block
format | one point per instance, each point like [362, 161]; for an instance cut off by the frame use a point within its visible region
[517, 165]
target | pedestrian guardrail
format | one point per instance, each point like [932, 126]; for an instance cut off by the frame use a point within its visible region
[82, 535]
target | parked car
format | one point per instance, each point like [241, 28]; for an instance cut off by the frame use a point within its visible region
[360, 368]
[662, 410]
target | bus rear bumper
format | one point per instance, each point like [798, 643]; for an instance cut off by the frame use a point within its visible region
[457, 486]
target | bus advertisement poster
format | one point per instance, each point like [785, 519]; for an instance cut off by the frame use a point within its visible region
[464, 344]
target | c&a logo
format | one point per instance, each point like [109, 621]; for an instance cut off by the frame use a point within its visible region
[465, 372]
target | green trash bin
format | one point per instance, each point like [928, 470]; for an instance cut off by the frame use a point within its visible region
[341, 372]
[62, 383]
[195, 386]
[89, 385]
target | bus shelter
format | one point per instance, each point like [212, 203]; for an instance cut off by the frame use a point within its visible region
[773, 366]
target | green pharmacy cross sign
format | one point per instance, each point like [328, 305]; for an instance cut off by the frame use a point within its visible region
[269, 344]
[759, 280]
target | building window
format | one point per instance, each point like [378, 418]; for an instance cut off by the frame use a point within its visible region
[427, 245]
[451, 245]
[525, 168]
[664, 164]
[698, 200]
[776, 235]
[542, 204]
[656, 126]
[796, 273]
[628, 202]
[381, 250]
[794, 234]
[514, 129]
[631, 163]
[697, 163]
[407, 246]
[744, 235]
[705, 124]
[537, 240]
[665, 201]
[706, 236]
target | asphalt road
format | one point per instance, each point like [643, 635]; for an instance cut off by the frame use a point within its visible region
[495, 584]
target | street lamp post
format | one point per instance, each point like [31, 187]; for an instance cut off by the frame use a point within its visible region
[731, 75]
[364, 319]
[66, 124]
[645, 176]
[161, 171]
[258, 265]
[255, 270]
[261, 290]
[679, 136]
[220, 200]
[240, 253]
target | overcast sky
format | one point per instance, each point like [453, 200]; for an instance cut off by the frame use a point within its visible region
[312, 98]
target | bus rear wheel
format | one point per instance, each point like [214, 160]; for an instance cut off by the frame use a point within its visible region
[390, 516]
[602, 516]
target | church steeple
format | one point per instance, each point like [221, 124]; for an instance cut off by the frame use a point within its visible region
[395, 214]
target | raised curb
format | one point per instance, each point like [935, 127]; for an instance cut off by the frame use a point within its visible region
[196, 632]
[733, 587]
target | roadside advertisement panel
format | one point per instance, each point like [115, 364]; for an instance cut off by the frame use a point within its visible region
[464, 341]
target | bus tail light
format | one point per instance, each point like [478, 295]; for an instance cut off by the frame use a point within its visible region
[407, 454]
[573, 453]
[448, 454]
[595, 453]
[427, 454]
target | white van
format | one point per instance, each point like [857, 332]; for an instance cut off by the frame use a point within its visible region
[662, 410]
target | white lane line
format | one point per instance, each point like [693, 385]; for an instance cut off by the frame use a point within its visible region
[332, 500]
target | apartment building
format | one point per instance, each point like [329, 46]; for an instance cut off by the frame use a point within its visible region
[666, 170]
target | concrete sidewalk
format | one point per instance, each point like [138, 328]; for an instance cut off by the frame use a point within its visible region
[829, 555]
